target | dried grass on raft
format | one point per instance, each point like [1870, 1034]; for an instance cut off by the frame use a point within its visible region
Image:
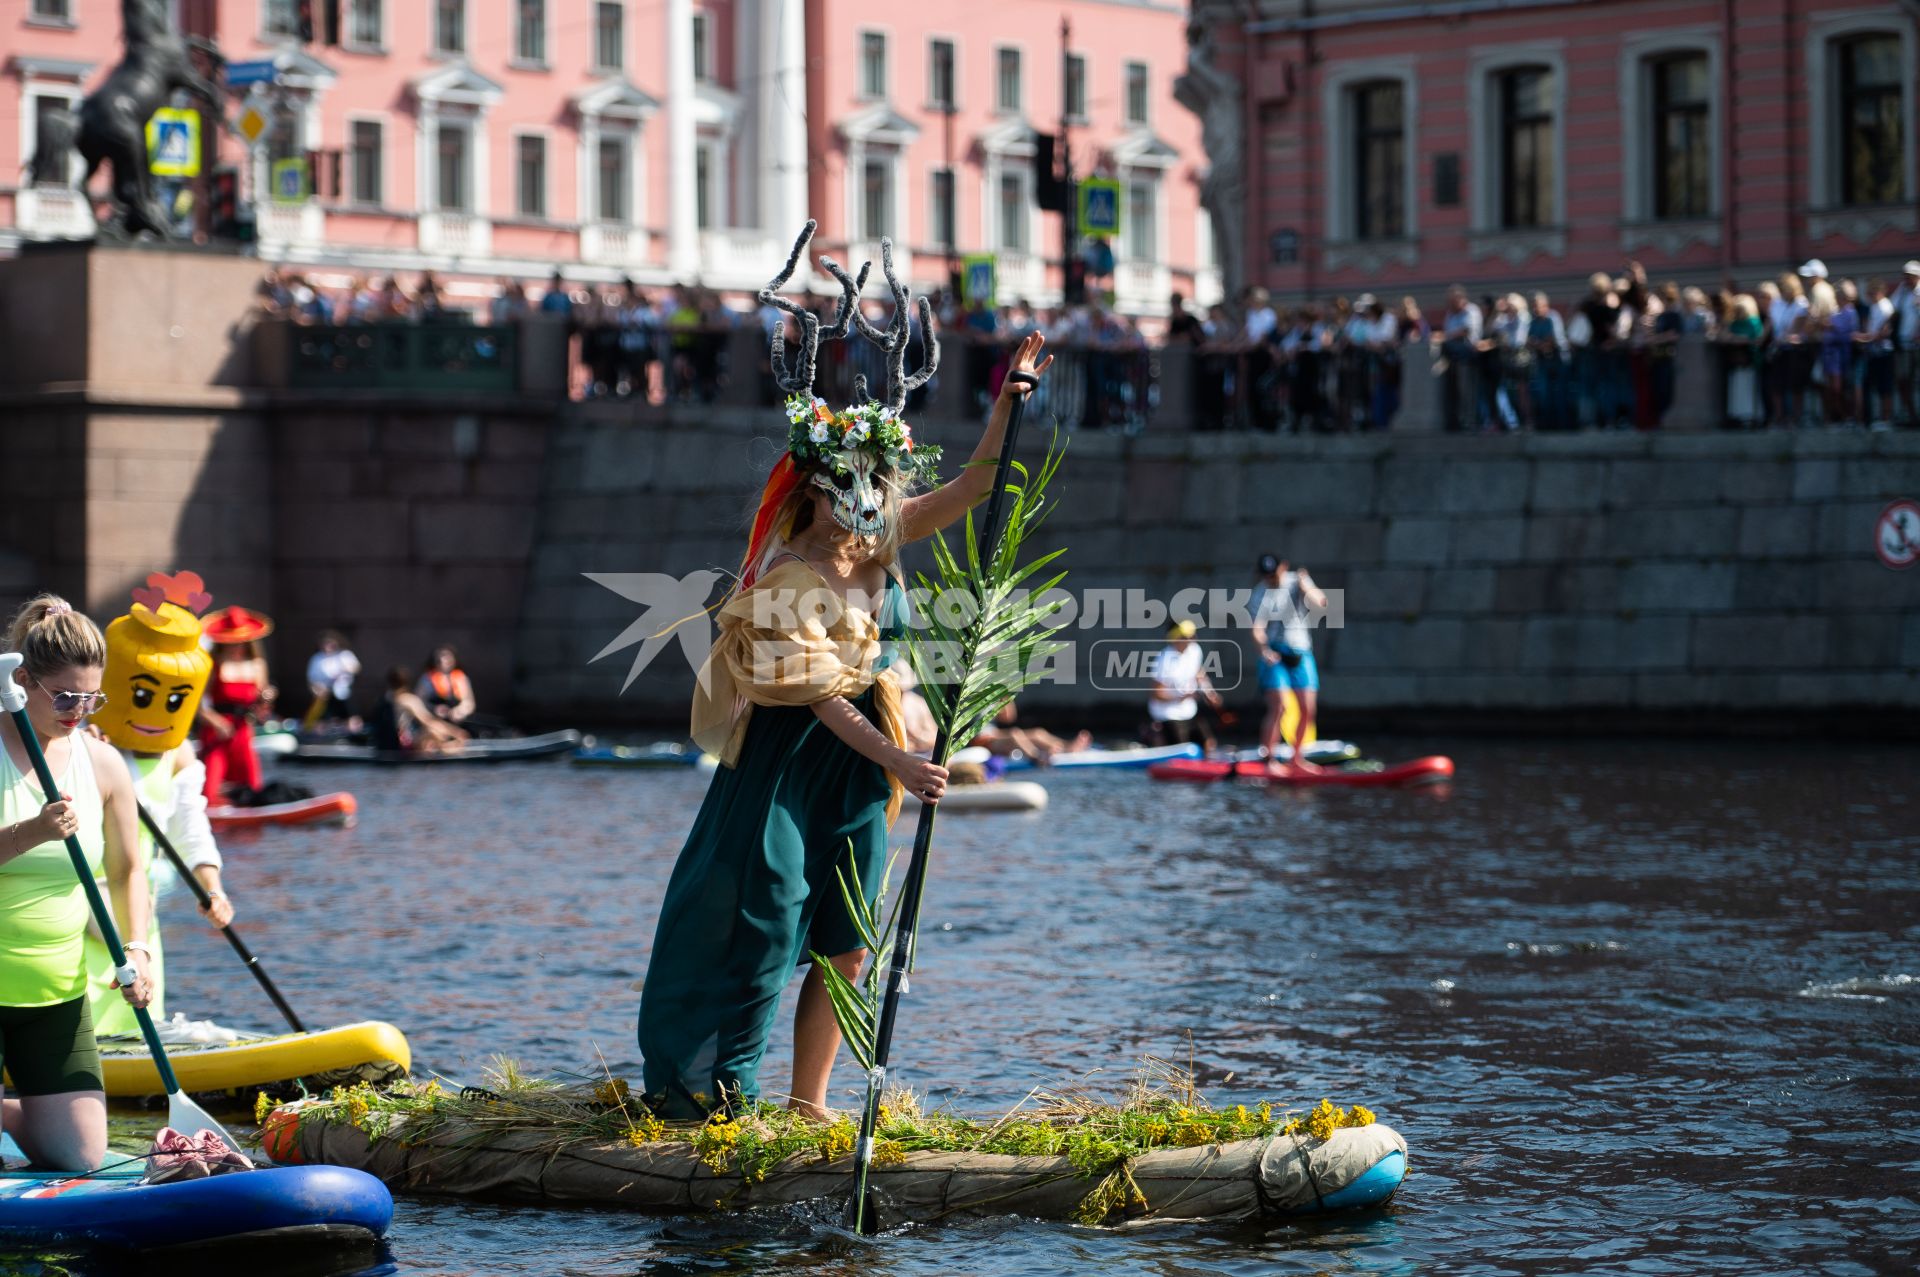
[1161, 1151]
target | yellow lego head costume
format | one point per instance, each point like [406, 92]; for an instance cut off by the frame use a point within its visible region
[156, 668]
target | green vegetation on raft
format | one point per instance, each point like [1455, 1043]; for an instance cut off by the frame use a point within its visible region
[1161, 1109]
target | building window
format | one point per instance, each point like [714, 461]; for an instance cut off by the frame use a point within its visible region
[944, 228]
[609, 35]
[60, 11]
[530, 175]
[1073, 87]
[450, 26]
[1526, 148]
[365, 146]
[1682, 137]
[703, 188]
[1379, 160]
[453, 187]
[281, 18]
[1007, 81]
[1871, 143]
[1142, 226]
[365, 25]
[702, 49]
[530, 32]
[876, 200]
[1013, 213]
[940, 78]
[614, 183]
[873, 66]
[44, 106]
[1138, 82]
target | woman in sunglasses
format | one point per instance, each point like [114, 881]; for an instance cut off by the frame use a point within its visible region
[46, 1028]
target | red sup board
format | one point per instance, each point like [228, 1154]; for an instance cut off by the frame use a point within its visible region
[1418, 771]
[322, 809]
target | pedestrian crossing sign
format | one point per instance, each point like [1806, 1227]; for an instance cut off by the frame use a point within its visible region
[977, 280]
[1099, 207]
[173, 142]
[290, 181]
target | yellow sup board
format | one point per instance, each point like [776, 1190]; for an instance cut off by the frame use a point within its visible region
[372, 1050]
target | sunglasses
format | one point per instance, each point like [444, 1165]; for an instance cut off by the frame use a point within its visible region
[67, 702]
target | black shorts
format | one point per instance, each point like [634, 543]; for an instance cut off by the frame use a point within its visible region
[50, 1050]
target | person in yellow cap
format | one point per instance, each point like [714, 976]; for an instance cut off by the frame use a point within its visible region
[1179, 682]
[156, 672]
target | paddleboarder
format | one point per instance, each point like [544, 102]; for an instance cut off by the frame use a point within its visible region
[1284, 605]
[46, 1024]
[240, 694]
[797, 700]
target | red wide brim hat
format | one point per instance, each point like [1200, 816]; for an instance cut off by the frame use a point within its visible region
[236, 625]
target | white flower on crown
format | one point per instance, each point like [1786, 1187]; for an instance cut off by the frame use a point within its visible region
[888, 414]
[858, 431]
[819, 432]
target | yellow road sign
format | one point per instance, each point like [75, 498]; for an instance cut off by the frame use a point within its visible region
[173, 142]
[252, 124]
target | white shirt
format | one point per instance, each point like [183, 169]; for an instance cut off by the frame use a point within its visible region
[1781, 315]
[1283, 610]
[1178, 672]
[1906, 309]
[1385, 330]
[1260, 324]
[1878, 327]
[334, 670]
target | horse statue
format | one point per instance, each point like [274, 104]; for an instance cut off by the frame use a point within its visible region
[112, 123]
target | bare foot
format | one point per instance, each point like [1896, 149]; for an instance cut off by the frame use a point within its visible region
[816, 1112]
[1080, 742]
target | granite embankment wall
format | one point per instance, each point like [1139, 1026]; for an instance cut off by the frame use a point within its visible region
[1585, 580]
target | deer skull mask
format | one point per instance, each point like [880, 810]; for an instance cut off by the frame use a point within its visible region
[859, 493]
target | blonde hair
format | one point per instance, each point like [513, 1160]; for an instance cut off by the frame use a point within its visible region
[1745, 307]
[50, 636]
[1791, 288]
[1821, 303]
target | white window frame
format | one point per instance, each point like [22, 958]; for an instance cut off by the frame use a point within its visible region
[349, 197]
[1019, 107]
[545, 60]
[61, 22]
[861, 93]
[436, 201]
[1825, 35]
[347, 40]
[1157, 179]
[267, 33]
[703, 60]
[434, 47]
[1486, 237]
[1086, 87]
[31, 87]
[1336, 110]
[514, 137]
[626, 36]
[953, 46]
[1638, 55]
[627, 141]
[1126, 94]
[887, 159]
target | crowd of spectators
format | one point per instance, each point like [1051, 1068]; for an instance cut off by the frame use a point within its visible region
[1805, 350]
[1801, 350]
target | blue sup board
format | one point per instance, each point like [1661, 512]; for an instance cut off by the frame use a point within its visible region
[112, 1209]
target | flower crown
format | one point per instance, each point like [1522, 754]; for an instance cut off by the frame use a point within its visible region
[818, 434]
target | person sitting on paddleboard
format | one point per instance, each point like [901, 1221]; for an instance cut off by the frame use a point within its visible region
[1179, 682]
[155, 674]
[401, 723]
[1007, 734]
[797, 700]
[1283, 608]
[241, 694]
[444, 688]
[56, 1106]
[330, 674]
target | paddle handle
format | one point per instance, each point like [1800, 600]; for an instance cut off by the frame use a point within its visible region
[914, 889]
[13, 699]
[200, 894]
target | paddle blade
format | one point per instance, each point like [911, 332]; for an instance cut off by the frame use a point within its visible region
[188, 1118]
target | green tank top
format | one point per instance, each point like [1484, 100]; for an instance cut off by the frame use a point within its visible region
[43, 910]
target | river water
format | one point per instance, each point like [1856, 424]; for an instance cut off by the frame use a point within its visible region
[1637, 1007]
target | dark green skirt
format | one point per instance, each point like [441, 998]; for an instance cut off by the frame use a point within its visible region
[754, 891]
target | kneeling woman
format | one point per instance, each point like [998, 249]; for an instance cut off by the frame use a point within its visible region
[797, 702]
[46, 1028]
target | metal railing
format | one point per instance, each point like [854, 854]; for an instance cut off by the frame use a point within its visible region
[403, 356]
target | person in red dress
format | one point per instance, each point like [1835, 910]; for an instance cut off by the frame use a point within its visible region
[238, 694]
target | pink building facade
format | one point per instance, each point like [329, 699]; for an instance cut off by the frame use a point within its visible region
[661, 140]
[1404, 147]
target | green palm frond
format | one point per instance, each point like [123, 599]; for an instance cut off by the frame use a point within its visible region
[989, 625]
[856, 1004]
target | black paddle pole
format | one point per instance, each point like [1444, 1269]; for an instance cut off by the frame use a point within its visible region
[206, 901]
[914, 889]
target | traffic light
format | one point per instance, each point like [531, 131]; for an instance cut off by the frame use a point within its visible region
[224, 211]
[1046, 174]
[1076, 290]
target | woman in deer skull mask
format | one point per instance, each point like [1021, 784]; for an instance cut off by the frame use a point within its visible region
[798, 702]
